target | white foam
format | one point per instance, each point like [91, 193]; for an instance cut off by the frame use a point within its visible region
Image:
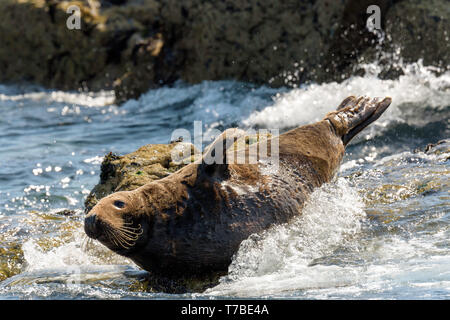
[94, 160]
[392, 265]
[69, 254]
[304, 257]
[9, 94]
[278, 259]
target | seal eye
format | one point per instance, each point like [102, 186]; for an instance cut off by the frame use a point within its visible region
[119, 204]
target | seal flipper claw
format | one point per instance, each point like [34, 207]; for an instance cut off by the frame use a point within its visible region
[347, 102]
[368, 112]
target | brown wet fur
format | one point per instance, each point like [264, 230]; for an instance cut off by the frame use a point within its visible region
[193, 221]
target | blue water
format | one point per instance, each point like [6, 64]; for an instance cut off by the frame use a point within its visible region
[389, 206]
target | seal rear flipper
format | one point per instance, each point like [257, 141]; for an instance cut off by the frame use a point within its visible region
[372, 110]
[354, 114]
[214, 160]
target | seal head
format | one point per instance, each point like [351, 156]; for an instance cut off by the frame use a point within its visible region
[118, 221]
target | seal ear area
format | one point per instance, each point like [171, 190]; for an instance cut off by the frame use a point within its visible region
[214, 160]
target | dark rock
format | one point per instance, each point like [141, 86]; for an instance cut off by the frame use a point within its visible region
[132, 46]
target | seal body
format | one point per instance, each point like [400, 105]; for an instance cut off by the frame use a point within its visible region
[192, 222]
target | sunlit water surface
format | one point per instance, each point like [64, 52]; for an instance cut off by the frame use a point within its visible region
[379, 231]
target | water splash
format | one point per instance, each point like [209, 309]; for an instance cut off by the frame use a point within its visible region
[398, 248]
[281, 258]
[70, 254]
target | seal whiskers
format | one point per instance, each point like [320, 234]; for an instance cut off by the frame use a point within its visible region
[86, 242]
[123, 236]
[132, 233]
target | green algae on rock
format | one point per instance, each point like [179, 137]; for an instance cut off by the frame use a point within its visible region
[11, 260]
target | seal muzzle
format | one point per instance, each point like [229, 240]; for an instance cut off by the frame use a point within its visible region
[90, 226]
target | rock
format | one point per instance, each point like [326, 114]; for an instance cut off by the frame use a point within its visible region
[132, 46]
[420, 30]
[11, 259]
[407, 26]
[151, 283]
[36, 48]
[66, 212]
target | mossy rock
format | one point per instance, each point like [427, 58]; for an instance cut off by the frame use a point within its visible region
[438, 148]
[132, 46]
[11, 260]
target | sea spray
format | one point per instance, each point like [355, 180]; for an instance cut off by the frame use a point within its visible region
[330, 220]
[70, 254]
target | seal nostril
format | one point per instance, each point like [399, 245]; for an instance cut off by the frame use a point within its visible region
[90, 226]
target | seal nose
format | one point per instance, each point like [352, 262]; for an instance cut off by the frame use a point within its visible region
[90, 226]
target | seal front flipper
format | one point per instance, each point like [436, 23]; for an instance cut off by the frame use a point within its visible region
[214, 160]
[354, 114]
